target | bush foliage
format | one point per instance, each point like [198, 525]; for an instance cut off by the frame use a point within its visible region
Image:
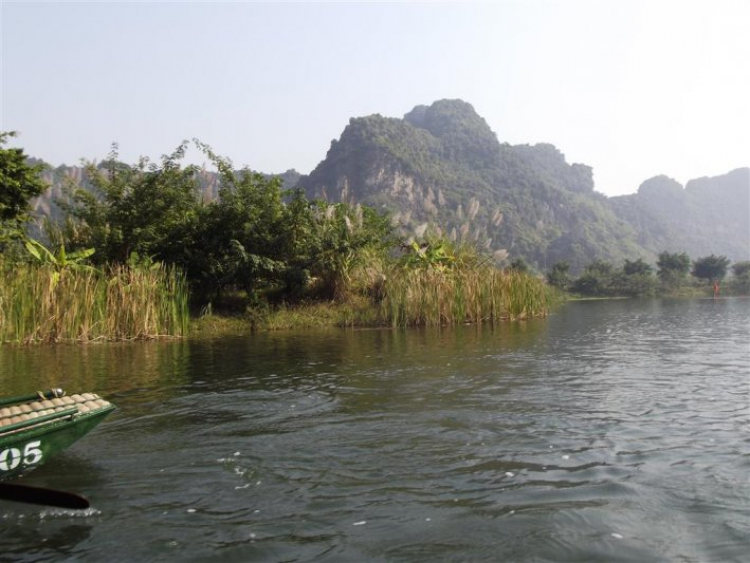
[674, 276]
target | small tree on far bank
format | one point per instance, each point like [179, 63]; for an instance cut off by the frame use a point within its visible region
[741, 268]
[673, 268]
[711, 267]
[637, 268]
[559, 275]
[636, 279]
[596, 279]
[741, 279]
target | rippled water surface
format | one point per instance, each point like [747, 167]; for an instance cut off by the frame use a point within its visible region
[612, 431]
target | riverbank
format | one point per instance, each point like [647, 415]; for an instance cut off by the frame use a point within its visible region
[300, 316]
[361, 311]
[50, 303]
[45, 304]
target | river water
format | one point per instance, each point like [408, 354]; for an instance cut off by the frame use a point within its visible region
[611, 431]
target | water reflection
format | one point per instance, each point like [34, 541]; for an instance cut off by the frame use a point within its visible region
[102, 368]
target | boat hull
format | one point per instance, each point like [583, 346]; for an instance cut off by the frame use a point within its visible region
[26, 444]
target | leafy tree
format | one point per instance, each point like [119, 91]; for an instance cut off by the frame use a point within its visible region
[673, 268]
[635, 279]
[146, 208]
[19, 183]
[596, 279]
[559, 276]
[741, 280]
[239, 239]
[260, 238]
[588, 283]
[637, 267]
[711, 267]
[299, 242]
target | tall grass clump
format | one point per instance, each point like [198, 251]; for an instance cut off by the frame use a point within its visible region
[42, 303]
[460, 290]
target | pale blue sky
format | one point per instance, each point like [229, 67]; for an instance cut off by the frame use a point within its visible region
[633, 88]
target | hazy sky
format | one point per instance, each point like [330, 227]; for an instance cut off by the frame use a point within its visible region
[632, 88]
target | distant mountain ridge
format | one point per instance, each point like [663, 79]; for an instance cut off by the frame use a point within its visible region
[707, 216]
[441, 165]
[442, 169]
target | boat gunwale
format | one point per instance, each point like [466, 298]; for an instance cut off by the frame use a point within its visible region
[38, 396]
[56, 424]
[45, 419]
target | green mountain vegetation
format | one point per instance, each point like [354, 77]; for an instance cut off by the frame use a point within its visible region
[441, 169]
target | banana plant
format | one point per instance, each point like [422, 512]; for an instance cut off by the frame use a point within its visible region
[60, 260]
[430, 255]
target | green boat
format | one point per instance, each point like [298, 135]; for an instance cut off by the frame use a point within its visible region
[33, 428]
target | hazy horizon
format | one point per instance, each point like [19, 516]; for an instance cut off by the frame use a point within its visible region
[633, 89]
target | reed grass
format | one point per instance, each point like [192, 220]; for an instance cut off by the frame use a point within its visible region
[464, 294]
[41, 303]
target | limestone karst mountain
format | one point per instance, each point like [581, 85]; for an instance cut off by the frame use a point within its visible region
[441, 167]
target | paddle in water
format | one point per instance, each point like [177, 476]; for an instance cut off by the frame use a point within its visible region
[39, 495]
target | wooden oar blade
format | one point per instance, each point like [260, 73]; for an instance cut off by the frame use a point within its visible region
[45, 497]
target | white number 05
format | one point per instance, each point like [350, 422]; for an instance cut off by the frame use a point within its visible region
[12, 458]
